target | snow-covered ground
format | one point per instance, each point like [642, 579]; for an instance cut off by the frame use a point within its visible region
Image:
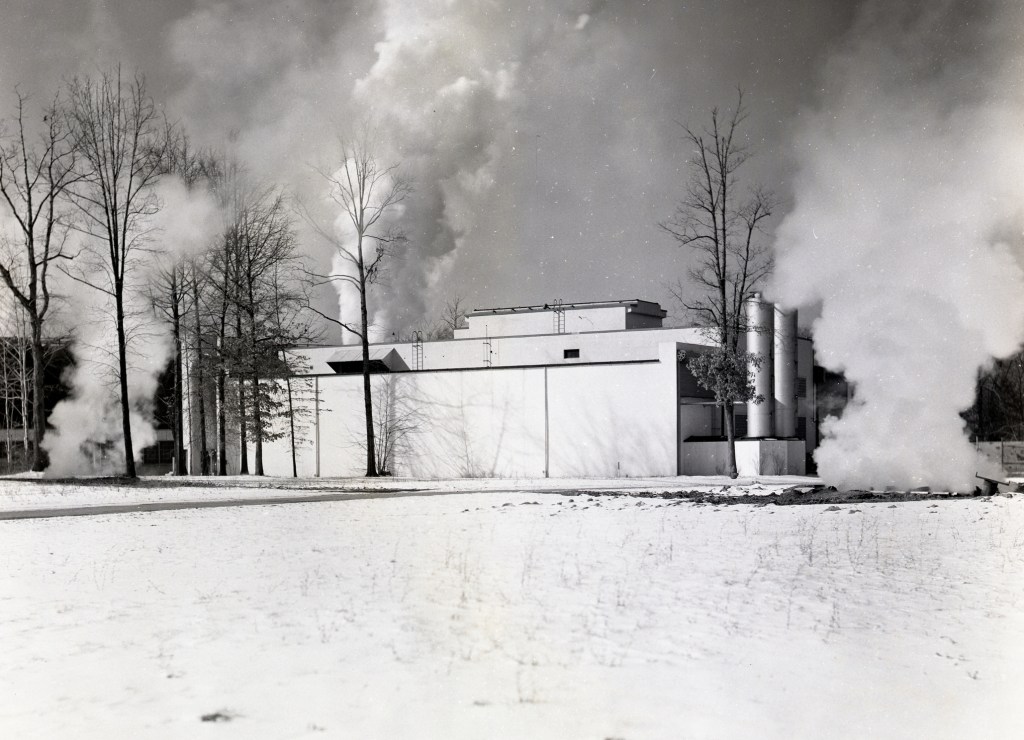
[21, 493]
[523, 615]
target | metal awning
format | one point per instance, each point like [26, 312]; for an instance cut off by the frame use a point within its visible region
[349, 360]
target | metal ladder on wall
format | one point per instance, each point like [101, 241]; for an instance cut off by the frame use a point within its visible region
[558, 316]
[488, 351]
[417, 350]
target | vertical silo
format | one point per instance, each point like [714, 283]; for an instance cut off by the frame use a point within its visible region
[785, 373]
[760, 341]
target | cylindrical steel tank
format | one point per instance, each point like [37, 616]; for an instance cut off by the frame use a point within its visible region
[785, 373]
[760, 333]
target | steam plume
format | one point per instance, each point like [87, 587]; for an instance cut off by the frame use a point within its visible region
[906, 234]
[87, 435]
[443, 91]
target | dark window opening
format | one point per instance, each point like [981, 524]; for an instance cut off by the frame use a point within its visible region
[741, 426]
[571, 354]
[801, 387]
[801, 427]
[161, 453]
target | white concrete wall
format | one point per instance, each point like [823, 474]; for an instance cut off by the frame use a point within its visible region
[613, 420]
[486, 423]
[607, 318]
[607, 420]
[638, 344]
[695, 420]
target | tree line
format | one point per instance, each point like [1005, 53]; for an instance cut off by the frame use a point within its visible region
[79, 184]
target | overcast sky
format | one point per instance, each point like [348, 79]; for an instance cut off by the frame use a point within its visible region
[542, 137]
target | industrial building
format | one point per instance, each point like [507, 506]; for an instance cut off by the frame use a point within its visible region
[555, 390]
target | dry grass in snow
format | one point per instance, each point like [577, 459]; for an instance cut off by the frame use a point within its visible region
[517, 615]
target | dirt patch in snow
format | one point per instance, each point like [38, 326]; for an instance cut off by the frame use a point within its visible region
[818, 495]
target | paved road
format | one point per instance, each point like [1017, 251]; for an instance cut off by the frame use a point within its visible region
[216, 503]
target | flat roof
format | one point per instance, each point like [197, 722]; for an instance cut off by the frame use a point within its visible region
[650, 308]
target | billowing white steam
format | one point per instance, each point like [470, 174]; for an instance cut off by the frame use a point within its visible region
[906, 233]
[442, 94]
[344, 232]
[87, 435]
[188, 218]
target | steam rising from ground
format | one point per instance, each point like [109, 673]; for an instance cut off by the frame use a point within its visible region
[907, 233]
[87, 435]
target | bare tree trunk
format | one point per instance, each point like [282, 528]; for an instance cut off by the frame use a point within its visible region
[39, 457]
[371, 454]
[257, 419]
[178, 410]
[222, 414]
[222, 436]
[243, 438]
[730, 435]
[291, 426]
[122, 369]
[200, 393]
[7, 388]
[23, 391]
[257, 400]
[243, 464]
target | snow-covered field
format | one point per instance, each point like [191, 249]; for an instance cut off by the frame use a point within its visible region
[524, 615]
[15, 495]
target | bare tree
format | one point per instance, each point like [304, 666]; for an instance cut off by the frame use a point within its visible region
[256, 299]
[197, 283]
[292, 325]
[453, 316]
[34, 178]
[368, 193]
[120, 139]
[169, 286]
[15, 381]
[722, 224]
[215, 286]
[396, 418]
[998, 410]
[265, 252]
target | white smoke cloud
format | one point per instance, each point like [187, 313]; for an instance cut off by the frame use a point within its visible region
[544, 150]
[906, 234]
[444, 94]
[188, 219]
[88, 434]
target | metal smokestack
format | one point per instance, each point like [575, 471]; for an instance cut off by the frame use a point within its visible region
[785, 373]
[760, 340]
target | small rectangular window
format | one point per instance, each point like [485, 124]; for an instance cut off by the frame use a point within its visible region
[571, 354]
[801, 387]
[801, 427]
[741, 425]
